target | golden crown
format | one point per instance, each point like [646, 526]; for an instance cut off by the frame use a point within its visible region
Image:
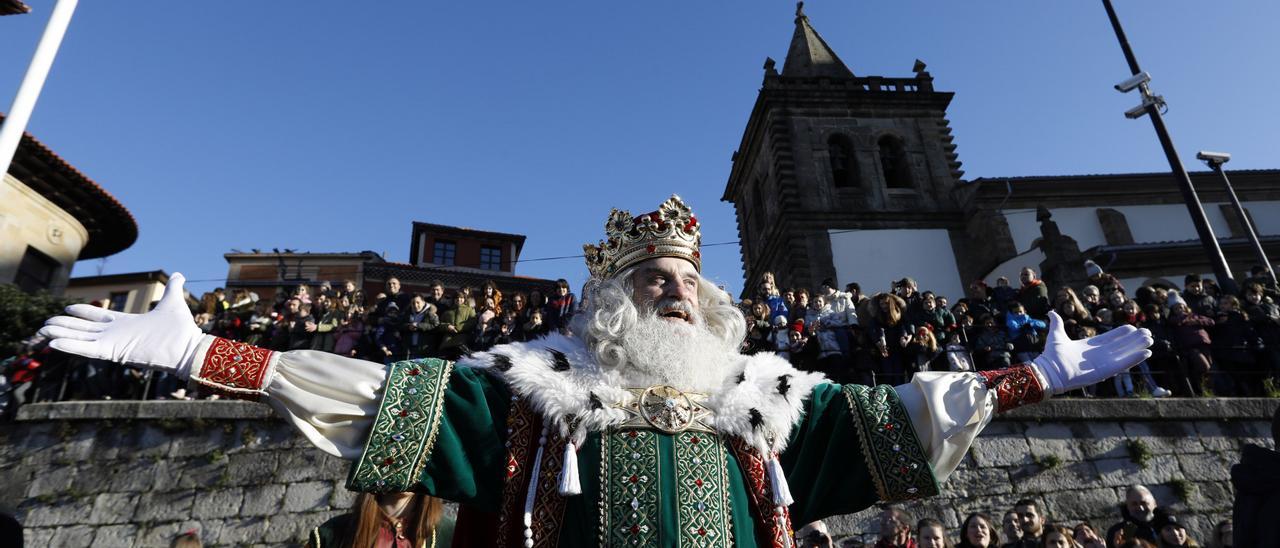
[671, 231]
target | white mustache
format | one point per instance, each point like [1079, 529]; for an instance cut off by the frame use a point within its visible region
[671, 304]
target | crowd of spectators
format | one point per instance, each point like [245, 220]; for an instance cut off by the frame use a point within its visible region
[1142, 524]
[1207, 342]
[389, 326]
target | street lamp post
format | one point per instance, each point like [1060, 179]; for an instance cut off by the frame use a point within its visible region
[1151, 106]
[1216, 161]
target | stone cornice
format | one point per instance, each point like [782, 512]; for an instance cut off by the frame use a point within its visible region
[1063, 409]
[144, 410]
[1119, 409]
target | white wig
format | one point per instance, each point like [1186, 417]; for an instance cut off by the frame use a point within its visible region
[610, 312]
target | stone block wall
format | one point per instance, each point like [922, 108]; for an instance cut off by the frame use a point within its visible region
[138, 473]
[1077, 457]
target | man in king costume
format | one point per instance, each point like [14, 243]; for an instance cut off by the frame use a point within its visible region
[645, 427]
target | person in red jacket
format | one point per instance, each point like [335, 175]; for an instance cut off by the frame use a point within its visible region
[21, 372]
[1191, 335]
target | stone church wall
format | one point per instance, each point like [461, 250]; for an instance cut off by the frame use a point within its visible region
[138, 473]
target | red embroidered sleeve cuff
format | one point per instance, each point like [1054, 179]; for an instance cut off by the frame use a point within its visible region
[233, 369]
[1014, 386]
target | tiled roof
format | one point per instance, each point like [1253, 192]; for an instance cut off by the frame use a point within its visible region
[411, 275]
[13, 7]
[111, 227]
[482, 233]
[153, 275]
[1173, 244]
[1049, 178]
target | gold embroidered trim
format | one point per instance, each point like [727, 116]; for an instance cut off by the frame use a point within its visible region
[892, 451]
[404, 431]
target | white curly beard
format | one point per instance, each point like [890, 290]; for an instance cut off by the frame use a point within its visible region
[686, 356]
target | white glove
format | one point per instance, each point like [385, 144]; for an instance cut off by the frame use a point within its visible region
[163, 339]
[1068, 365]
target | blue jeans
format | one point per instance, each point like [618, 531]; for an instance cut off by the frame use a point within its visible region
[1124, 384]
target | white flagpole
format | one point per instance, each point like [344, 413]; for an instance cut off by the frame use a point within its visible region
[24, 102]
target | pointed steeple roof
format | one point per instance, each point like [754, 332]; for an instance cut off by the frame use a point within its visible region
[810, 56]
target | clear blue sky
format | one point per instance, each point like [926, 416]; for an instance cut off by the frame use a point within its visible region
[331, 126]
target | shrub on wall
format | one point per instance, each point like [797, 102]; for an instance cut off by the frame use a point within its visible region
[22, 314]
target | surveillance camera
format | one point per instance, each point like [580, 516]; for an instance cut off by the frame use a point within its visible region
[1136, 112]
[1213, 158]
[1147, 100]
[1133, 82]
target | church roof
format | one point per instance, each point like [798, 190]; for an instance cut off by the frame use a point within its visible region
[809, 55]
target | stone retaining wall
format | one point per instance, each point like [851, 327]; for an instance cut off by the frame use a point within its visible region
[138, 473]
[1077, 457]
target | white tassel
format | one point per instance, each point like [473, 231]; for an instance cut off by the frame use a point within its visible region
[570, 485]
[778, 481]
[533, 491]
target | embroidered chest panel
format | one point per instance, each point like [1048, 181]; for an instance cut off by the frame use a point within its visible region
[632, 490]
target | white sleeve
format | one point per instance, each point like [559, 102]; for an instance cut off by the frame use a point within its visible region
[948, 410]
[331, 399]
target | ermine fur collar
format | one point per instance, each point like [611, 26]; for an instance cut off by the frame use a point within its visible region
[761, 399]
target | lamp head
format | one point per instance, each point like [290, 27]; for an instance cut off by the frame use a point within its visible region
[1214, 159]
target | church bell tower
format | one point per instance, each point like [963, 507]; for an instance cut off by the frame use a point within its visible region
[828, 157]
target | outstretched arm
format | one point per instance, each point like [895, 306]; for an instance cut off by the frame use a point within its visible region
[905, 440]
[949, 409]
[331, 399]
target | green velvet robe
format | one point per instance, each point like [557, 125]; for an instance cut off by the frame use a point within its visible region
[444, 430]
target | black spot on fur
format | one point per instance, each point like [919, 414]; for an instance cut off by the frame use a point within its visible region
[784, 384]
[595, 402]
[742, 377]
[501, 363]
[561, 361]
[757, 420]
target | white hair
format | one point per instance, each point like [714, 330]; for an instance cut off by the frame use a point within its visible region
[611, 322]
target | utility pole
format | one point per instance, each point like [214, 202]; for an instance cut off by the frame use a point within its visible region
[15, 122]
[1151, 106]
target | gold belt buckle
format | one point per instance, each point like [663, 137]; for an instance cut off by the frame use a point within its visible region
[670, 410]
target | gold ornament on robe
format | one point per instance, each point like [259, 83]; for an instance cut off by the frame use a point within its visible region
[666, 409]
